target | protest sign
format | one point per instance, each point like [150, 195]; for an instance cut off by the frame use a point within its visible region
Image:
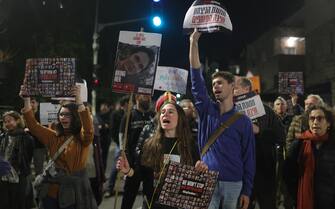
[250, 104]
[290, 82]
[207, 16]
[171, 79]
[48, 113]
[184, 187]
[136, 62]
[49, 77]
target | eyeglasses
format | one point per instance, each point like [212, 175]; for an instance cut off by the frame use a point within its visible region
[318, 118]
[65, 114]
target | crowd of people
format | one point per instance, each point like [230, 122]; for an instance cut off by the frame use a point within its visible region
[286, 156]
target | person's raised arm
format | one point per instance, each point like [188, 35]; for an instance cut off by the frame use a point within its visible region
[79, 102]
[42, 133]
[194, 50]
[25, 98]
[85, 118]
[199, 91]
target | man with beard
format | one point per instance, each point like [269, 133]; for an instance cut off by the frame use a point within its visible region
[140, 116]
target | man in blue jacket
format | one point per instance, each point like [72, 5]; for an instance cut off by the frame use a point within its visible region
[233, 152]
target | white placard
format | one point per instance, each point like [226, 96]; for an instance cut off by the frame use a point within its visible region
[171, 79]
[207, 16]
[48, 113]
[250, 104]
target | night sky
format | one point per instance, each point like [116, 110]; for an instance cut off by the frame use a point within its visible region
[36, 30]
[249, 18]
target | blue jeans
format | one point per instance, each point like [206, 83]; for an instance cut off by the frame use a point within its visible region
[228, 192]
[114, 171]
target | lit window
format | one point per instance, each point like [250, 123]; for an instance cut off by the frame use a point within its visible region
[290, 45]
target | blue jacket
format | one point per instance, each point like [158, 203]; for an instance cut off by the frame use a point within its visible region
[233, 153]
[4, 167]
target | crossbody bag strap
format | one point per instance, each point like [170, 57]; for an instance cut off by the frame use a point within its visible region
[62, 148]
[219, 131]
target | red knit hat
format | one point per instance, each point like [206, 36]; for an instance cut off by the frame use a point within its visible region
[167, 97]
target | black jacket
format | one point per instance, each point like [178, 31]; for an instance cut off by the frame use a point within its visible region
[22, 153]
[324, 179]
[272, 133]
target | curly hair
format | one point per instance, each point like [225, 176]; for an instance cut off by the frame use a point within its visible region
[16, 116]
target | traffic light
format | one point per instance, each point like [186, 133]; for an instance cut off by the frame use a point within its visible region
[157, 21]
[95, 79]
[156, 13]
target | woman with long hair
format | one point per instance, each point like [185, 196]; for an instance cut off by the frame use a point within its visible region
[172, 141]
[68, 185]
[16, 148]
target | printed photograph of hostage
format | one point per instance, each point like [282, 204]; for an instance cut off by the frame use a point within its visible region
[135, 68]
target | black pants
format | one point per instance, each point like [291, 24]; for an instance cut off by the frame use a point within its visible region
[13, 195]
[105, 142]
[265, 187]
[132, 185]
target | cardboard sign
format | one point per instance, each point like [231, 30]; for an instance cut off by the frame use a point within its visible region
[184, 187]
[250, 104]
[291, 82]
[256, 84]
[136, 62]
[171, 79]
[207, 16]
[48, 113]
[49, 77]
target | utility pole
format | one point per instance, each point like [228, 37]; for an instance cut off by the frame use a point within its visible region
[95, 48]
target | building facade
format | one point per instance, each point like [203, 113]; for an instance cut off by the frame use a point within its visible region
[304, 42]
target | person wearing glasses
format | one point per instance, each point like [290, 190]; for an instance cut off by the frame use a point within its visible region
[68, 187]
[316, 161]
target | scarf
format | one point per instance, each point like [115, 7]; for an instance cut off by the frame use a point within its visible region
[305, 197]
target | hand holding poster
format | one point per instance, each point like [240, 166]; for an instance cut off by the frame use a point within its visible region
[207, 16]
[250, 104]
[184, 187]
[83, 93]
[49, 77]
[171, 79]
[136, 62]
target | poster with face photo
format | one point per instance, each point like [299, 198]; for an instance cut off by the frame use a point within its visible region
[136, 62]
[50, 77]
